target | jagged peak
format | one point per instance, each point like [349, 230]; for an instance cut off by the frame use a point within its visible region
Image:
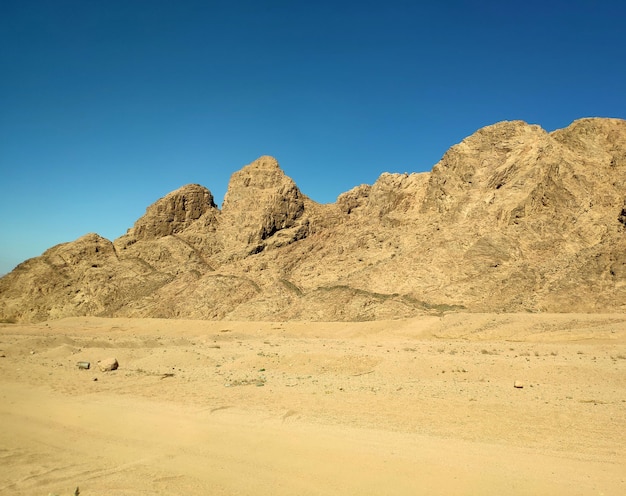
[187, 189]
[596, 122]
[92, 238]
[501, 133]
[600, 139]
[595, 127]
[174, 212]
[261, 200]
[264, 162]
[263, 173]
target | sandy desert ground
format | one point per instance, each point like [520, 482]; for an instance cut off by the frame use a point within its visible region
[420, 406]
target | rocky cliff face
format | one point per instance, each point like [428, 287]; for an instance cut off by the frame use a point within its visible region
[175, 212]
[262, 208]
[511, 219]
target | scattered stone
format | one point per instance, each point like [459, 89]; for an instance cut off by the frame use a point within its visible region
[518, 384]
[108, 364]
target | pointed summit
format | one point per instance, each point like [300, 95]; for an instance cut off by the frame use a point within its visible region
[263, 174]
[262, 203]
[174, 212]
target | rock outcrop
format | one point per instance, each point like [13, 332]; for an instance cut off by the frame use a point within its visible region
[175, 212]
[263, 208]
[513, 219]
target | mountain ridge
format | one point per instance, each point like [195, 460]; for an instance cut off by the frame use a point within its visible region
[512, 218]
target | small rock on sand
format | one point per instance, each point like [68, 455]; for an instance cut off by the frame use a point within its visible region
[518, 384]
[108, 364]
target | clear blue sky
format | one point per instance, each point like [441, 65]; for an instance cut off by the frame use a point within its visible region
[106, 106]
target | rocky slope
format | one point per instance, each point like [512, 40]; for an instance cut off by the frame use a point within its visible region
[511, 219]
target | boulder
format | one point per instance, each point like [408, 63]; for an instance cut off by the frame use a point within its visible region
[108, 364]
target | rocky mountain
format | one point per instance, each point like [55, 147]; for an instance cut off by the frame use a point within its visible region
[511, 219]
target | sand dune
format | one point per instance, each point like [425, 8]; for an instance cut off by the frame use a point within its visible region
[420, 406]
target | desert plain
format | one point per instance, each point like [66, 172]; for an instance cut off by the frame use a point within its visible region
[451, 404]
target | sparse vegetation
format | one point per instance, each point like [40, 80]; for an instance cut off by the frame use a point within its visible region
[437, 308]
[485, 351]
[595, 402]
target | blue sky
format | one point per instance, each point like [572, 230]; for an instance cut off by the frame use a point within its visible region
[106, 106]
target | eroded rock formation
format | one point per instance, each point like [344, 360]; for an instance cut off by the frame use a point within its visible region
[513, 218]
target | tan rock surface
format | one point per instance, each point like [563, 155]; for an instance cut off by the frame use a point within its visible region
[511, 219]
[108, 364]
[175, 212]
[262, 208]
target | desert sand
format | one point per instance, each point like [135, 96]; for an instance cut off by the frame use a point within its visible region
[416, 406]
